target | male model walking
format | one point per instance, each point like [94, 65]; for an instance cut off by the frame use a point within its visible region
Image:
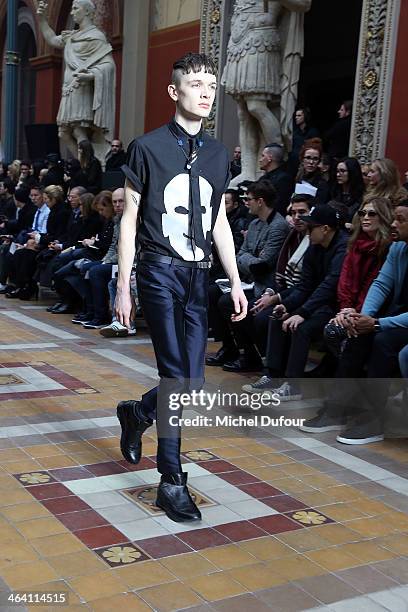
[175, 180]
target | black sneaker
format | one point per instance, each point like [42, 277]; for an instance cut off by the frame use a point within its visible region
[82, 317]
[94, 324]
[322, 423]
[362, 433]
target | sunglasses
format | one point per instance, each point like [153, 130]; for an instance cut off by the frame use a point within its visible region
[366, 213]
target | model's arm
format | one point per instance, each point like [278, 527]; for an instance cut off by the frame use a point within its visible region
[224, 243]
[48, 33]
[299, 6]
[126, 252]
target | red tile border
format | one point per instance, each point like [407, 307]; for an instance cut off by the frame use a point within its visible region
[241, 530]
[107, 468]
[259, 490]
[164, 546]
[276, 523]
[283, 503]
[49, 491]
[203, 538]
[216, 466]
[84, 519]
[74, 473]
[62, 505]
[239, 477]
[97, 537]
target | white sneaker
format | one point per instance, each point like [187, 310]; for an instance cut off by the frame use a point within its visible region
[115, 330]
[265, 383]
[285, 392]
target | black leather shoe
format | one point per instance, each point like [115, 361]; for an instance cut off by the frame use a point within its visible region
[51, 308]
[174, 498]
[133, 428]
[63, 309]
[222, 356]
[242, 364]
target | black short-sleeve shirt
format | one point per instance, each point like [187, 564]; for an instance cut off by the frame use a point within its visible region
[157, 167]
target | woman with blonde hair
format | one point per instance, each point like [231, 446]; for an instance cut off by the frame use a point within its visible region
[13, 171]
[385, 182]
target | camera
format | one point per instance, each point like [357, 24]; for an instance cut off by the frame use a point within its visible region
[335, 336]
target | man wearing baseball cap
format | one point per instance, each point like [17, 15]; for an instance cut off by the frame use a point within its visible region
[307, 307]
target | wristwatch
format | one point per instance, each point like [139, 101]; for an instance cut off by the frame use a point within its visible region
[377, 326]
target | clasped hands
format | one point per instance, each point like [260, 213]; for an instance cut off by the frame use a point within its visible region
[354, 323]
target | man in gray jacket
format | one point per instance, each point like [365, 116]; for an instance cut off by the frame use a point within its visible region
[256, 261]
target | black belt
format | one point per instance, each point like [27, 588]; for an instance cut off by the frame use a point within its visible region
[173, 261]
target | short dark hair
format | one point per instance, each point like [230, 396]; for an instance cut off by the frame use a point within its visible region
[25, 162]
[9, 185]
[276, 151]
[192, 62]
[37, 187]
[403, 203]
[265, 190]
[304, 198]
[235, 195]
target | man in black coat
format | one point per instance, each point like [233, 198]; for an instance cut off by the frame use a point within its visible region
[25, 214]
[337, 139]
[271, 162]
[116, 157]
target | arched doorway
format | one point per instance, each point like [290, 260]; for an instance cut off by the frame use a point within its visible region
[26, 86]
[329, 65]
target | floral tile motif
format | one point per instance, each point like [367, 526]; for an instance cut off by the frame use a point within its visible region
[34, 478]
[145, 498]
[199, 455]
[309, 517]
[85, 390]
[123, 554]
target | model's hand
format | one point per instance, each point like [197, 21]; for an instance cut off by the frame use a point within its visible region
[123, 306]
[292, 323]
[42, 8]
[240, 303]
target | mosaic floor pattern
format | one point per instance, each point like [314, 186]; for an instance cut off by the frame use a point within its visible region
[290, 522]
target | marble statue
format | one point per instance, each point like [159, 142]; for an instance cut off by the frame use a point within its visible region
[87, 109]
[262, 73]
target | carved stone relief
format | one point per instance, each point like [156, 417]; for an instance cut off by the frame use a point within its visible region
[374, 78]
[168, 13]
[210, 42]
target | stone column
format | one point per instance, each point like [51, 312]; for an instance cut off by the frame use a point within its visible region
[375, 69]
[11, 82]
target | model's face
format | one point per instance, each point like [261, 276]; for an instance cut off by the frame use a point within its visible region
[74, 199]
[297, 210]
[311, 160]
[36, 197]
[194, 94]
[342, 112]
[118, 201]
[237, 154]
[342, 174]
[264, 160]
[369, 219]
[299, 117]
[374, 175]
[400, 223]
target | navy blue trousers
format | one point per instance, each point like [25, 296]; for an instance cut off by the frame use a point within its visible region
[174, 300]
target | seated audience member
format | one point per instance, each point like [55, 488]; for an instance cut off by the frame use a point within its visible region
[90, 175]
[256, 261]
[271, 162]
[13, 171]
[116, 157]
[252, 332]
[95, 289]
[237, 216]
[349, 188]
[235, 166]
[56, 230]
[25, 215]
[377, 336]
[26, 178]
[403, 361]
[8, 208]
[302, 130]
[325, 167]
[384, 182]
[43, 211]
[337, 138]
[310, 156]
[55, 171]
[68, 280]
[305, 308]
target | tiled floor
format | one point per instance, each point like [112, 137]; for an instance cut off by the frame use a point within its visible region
[290, 522]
